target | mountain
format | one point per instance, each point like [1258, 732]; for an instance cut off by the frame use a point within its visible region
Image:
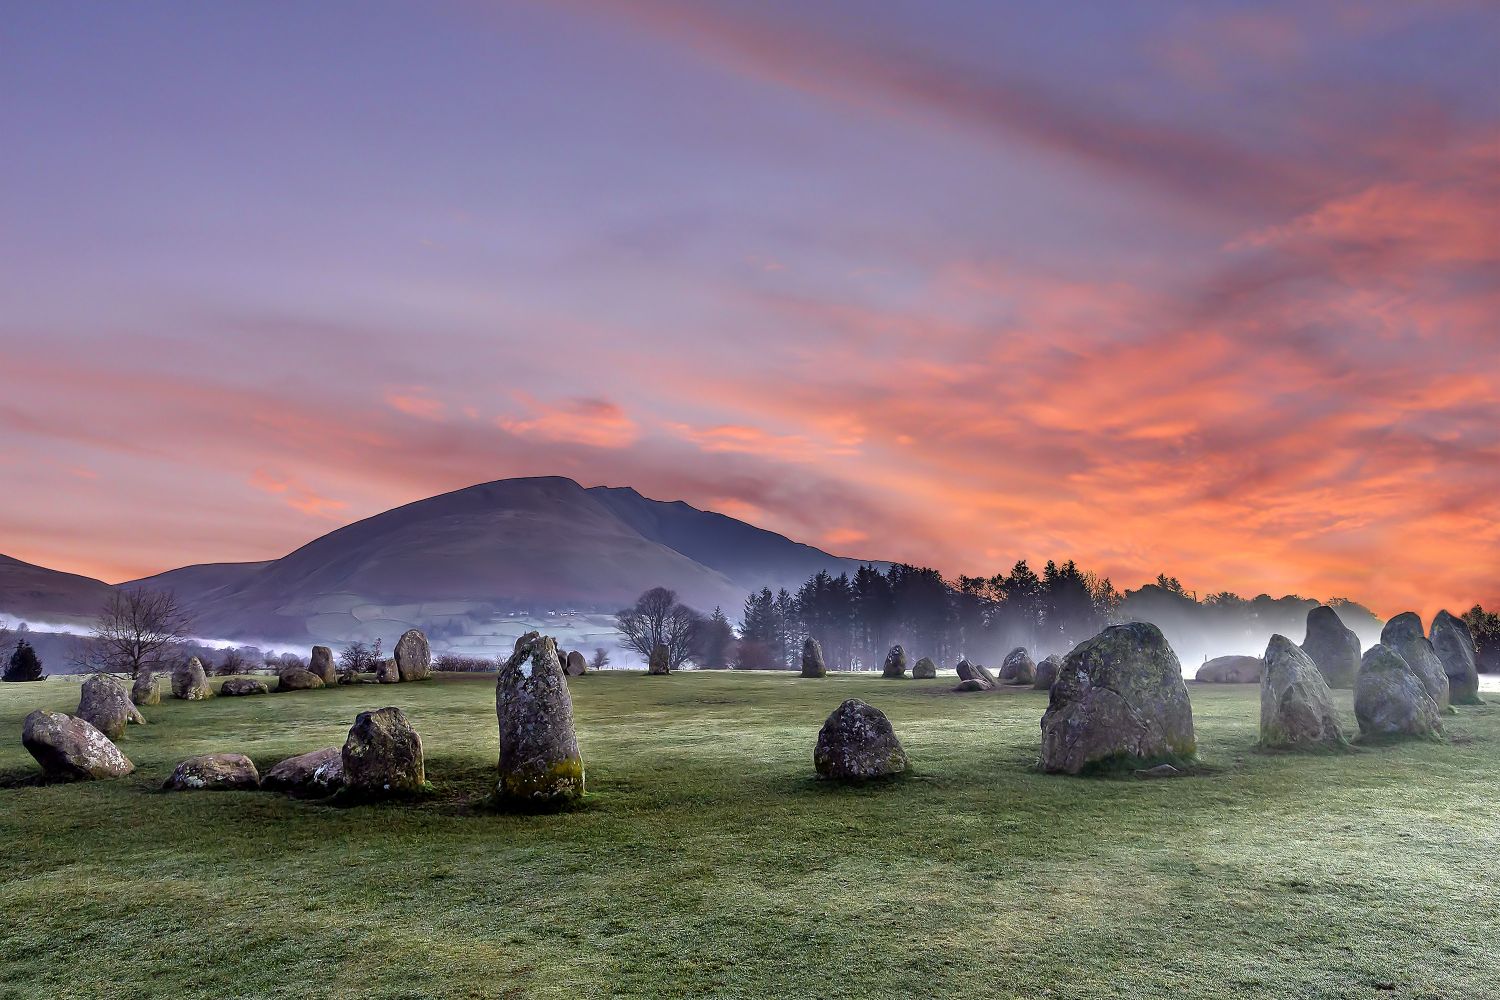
[36, 594]
[480, 563]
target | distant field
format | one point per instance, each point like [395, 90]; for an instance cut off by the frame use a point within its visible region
[709, 862]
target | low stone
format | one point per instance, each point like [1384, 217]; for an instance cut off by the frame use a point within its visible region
[413, 656]
[1405, 635]
[1159, 771]
[297, 679]
[986, 675]
[1296, 705]
[321, 663]
[857, 743]
[1454, 645]
[1231, 670]
[895, 662]
[386, 672]
[383, 755]
[70, 749]
[575, 665]
[104, 705]
[189, 682]
[239, 687]
[214, 772]
[1018, 667]
[660, 662]
[972, 684]
[540, 763]
[1390, 700]
[144, 690]
[924, 669]
[812, 659]
[1046, 672]
[317, 773]
[1333, 646]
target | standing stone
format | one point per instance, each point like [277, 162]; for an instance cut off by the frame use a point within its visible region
[965, 669]
[321, 663]
[924, 669]
[1404, 634]
[104, 705]
[660, 662]
[1333, 646]
[1046, 672]
[297, 679]
[1296, 705]
[1390, 698]
[812, 659]
[857, 743]
[70, 749]
[1231, 670]
[145, 691]
[318, 773]
[240, 687]
[985, 675]
[575, 665]
[1018, 667]
[413, 656]
[895, 662]
[214, 772]
[188, 682]
[386, 672]
[539, 759]
[1118, 700]
[1454, 645]
[383, 755]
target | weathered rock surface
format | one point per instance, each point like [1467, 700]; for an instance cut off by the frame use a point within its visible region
[297, 679]
[1405, 635]
[383, 755]
[1333, 646]
[189, 683]
[857, 743]
[386, 672]
[1454, 645]
[321, 664]
[965, 669]
[1390, 698]
[1018, 667]
[214, 772]
[973, 684]
[812, 659]
[539, 759]
[575, 665]
[70, 749]
[103, 704]
[985, 674]
[145, 690]
[895, 662]
[1046, 672]
[1231, 670]
[413, 656]
[660, 662]
[320, 772]
[924, 669]
[239, 687]
[1119, 699]
[1296, 705]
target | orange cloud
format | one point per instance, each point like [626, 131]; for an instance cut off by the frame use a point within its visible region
[414, 404]
[298, 496]
[597, 423]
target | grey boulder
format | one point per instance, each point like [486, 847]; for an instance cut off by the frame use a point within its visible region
[1231, 670]
[1333, 646]
[660, 662]
[540, 763]
[812, 658]
[924, 669]
[1454, 645]
[297, 679]
[383, 755]
[1018, 667]
[321, 663]
[1296, 705]
[575, 665]
[144, 690]
[895, 662]
[70, 749]
[857, 743]
[104, 705]
[317, 773]
[413, 656]
[214, 772]
[1405, 635]
[240, 687]
[1046, 672]
[189, 683]
[1390, 699]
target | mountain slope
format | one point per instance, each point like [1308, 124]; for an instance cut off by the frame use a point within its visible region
[35, 593]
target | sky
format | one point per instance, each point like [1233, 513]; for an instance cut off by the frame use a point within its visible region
[1208, 289]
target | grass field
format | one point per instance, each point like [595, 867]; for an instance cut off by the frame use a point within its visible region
[709, 863]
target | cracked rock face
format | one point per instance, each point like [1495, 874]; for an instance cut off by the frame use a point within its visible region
[1454, 645]
[1390, 698]
[1018, 667]
[188, 682]
[1404, 634]
[1118, 697]
[857, 743]
[214, 772]
[103, 704]
[895, 662]
[1046, 672]
[1296, 705]
[318, 773]
[383, 755]
[321, 663]
[539, 759]
[1231, 670]
[413, 656]
[1333, 646]
[812, 659]
[924, 669]
[70, 749]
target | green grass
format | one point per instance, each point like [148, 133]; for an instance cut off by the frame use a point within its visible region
[709, 863]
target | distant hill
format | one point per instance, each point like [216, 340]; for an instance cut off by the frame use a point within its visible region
[37, 594]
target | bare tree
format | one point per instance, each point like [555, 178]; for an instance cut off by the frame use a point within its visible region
[600, 660]
[137, 629]
[658, 617]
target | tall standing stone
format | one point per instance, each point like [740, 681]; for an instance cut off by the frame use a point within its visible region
[189, 683]
[70, 749]
[1296, 705]
[144, 690]
[539, 759]
[1405, 635]
[321, 663]
[104, 705]
[857, 743]
[1046, 672]
[1118, 700]
[413, 656]
[1390, 698]
[1333, 646]
[383, 755]
[1017, 667]
[895, 662]
[812, 659]
[660, 662]
[1454, 645]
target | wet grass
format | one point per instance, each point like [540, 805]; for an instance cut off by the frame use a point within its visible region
[707, 862]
